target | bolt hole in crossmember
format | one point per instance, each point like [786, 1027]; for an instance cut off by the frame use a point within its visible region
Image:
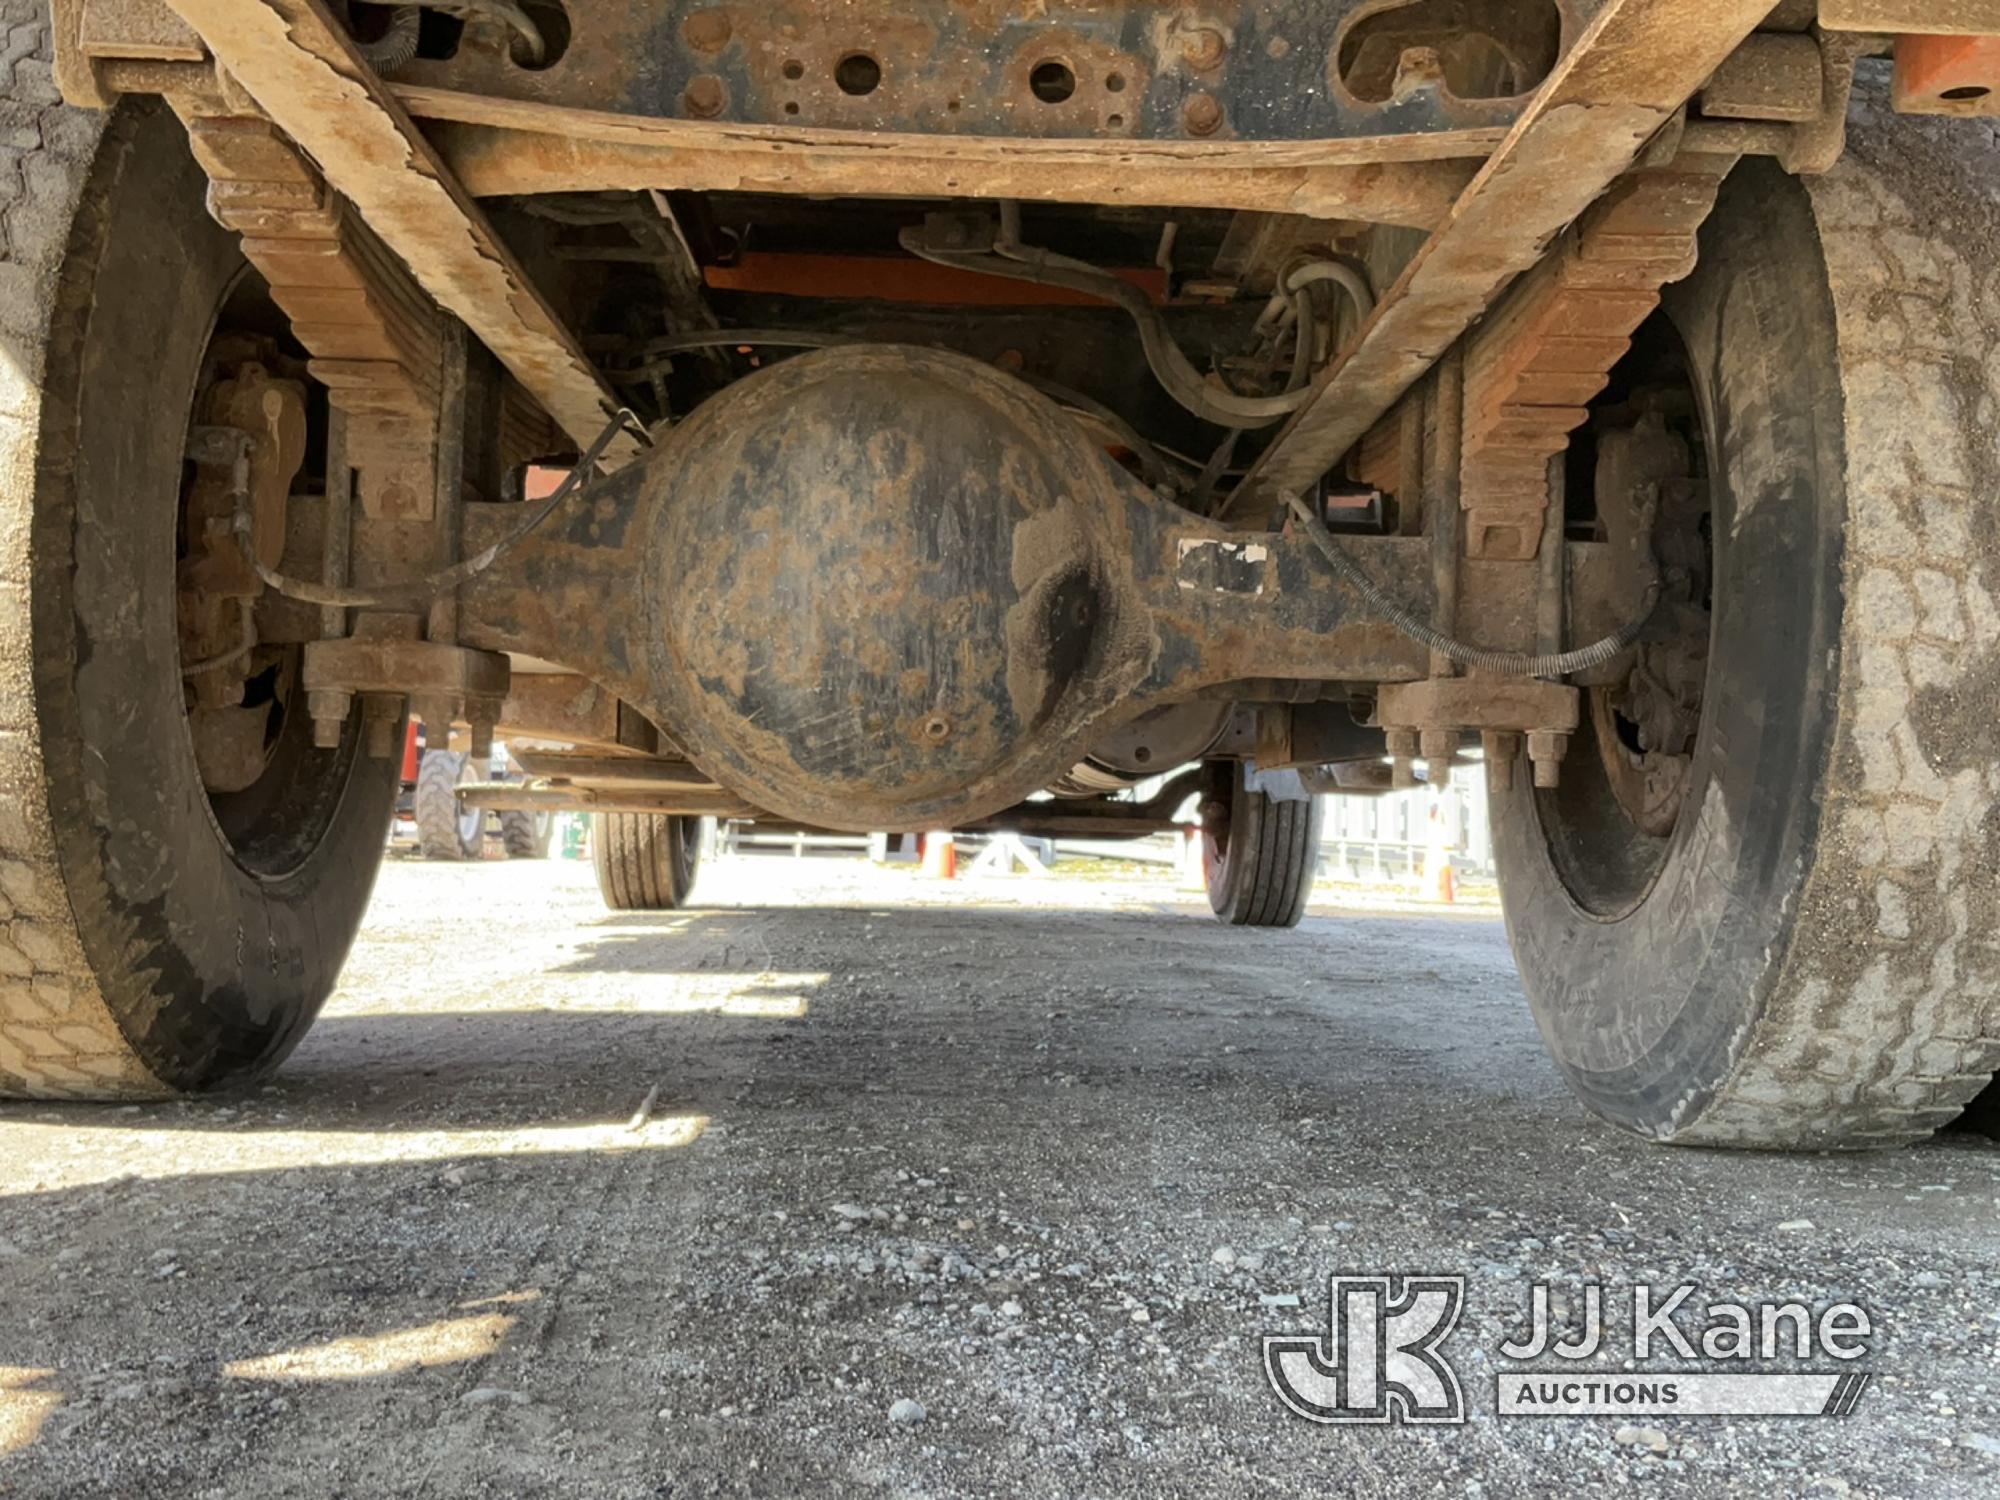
[1264, 69]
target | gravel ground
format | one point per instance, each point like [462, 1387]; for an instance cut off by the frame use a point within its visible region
[1044, 1158]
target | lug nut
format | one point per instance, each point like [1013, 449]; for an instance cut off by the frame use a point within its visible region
[1545, 754]
[1440, 751]
[380, 715]
[1402, 746]
[1502, 750]
[439, 711]
[329, 709]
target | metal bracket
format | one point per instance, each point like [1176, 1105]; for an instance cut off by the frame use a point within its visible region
[383, 659]
[1428, 718]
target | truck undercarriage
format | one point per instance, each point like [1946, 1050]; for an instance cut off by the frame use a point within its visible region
[967, 414]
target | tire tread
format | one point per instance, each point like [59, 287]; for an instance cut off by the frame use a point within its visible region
[638, 861]
[58, 1038]
[1265, 879]
[435, 805]
[1883, 1050]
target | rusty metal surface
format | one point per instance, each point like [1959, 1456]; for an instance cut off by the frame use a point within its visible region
[1506, 712]
[1935, 17]
[883, 587]
[894, 278]
[1948, 75]
[588, 154]
[1251, 70]
[689, 803]
[301, 69]
[892, 585]
[365, 664]
[1633, 68]
[559, 706]
[857, 575]
[585, 768]
[1478, 703]
[887, 585]
[245, 410]
[1813, 146]
[136, 29]
[443, 682]
[1532, 368]
[1772, 76]
[372, 335]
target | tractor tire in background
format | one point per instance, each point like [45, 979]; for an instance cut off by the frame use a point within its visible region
[526, 835]
[1777, 932]
[1259, 854]
[645, 861]
[446, 829]
[156, 936]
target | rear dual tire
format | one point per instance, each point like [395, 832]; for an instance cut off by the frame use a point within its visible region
[154, 938]
[1804, 960]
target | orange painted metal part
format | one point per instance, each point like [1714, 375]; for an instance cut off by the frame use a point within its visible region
[1948, 75]
[894, 278]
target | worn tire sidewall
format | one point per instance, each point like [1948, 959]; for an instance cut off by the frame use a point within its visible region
[212, 973]
[1647, 1014]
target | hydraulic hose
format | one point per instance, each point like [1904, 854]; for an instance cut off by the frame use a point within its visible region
[1506, 663]
[395, 46]
[1175, 372]
[398, 44]
[407, 590]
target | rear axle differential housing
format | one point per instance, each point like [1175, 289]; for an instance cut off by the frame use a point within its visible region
[888, 588]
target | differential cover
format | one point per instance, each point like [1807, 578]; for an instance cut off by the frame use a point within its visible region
[885, 588]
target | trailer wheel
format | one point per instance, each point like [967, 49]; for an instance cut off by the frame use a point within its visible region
[171, 918]
[645, 861]
[446, 828]
[1258, 853]
[1759, 909]
[526, 835]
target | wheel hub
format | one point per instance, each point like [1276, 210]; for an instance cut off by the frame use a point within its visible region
[1654, 510]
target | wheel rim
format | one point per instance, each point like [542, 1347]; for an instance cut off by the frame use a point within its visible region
[1215, 811]
[471, 820]
[1642, 479]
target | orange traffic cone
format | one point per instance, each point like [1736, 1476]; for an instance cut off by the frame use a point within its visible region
[1443, 883]
[1440, 884]
[940, 856]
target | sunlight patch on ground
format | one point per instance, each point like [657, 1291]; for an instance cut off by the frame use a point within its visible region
[449, 1341]
[23, 1405]
[624, 987]
[48, 1157]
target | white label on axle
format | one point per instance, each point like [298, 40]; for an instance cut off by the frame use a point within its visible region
[1207, 563]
